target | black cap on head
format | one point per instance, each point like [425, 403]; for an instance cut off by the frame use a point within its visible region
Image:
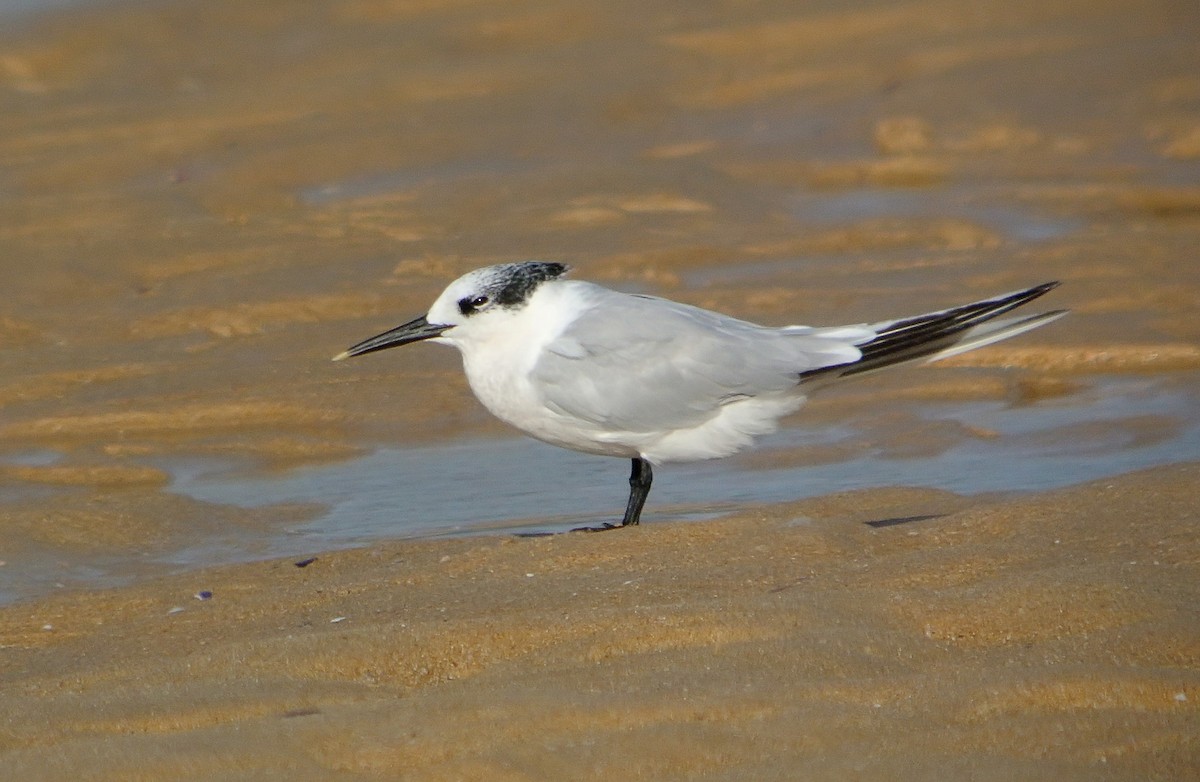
[515, 282]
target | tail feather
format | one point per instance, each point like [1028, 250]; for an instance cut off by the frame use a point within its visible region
[941, 334]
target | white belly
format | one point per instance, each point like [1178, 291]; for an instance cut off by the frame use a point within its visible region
[506, 392]
[503, 387]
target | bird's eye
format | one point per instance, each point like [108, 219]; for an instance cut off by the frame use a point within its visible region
[469, 306]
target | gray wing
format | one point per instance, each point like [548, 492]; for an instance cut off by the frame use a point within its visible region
[640, 364]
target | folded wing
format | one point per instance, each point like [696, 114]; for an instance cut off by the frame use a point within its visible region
[639, 363]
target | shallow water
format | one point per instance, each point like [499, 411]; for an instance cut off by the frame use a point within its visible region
[975, 203]
[517, 485]
[477, 485]
[520, 486]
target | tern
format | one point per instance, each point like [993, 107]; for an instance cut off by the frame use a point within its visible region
[651, 380]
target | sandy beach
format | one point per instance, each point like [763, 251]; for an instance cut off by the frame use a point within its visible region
[201, 203]
[1046, 636]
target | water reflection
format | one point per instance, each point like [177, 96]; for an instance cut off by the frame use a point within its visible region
[1115, 427]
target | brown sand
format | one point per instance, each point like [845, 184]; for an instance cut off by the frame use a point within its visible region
[200, 202]
[1053, 636]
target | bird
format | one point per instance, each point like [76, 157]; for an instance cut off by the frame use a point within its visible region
[655, 381]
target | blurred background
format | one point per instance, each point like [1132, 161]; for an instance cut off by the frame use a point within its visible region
[201, 202]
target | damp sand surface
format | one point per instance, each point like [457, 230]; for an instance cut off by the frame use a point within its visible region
[471, 486]
[1049, 635]
[200, 203]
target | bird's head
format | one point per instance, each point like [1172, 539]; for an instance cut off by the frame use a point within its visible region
[468, 304]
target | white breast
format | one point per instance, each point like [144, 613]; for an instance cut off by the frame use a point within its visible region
[499, 353]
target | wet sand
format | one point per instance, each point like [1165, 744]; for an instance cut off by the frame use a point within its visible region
[200, 203]
[1046, 636]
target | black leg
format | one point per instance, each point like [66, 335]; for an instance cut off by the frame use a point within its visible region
[640, 478]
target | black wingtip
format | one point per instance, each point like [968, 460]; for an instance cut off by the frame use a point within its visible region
[1021, 298]
[912, 338]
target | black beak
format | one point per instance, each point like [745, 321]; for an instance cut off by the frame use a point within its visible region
[413, 331]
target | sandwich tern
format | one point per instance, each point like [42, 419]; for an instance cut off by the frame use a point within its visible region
[616, 374]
